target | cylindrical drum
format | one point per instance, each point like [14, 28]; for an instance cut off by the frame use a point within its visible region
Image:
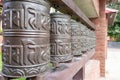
[60, 38]
[26, 48]
[76, 34]
[83, 38]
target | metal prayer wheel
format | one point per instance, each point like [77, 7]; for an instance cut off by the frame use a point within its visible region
[60, 38]
[26, 48]
[76, 34]
[88, 39]
[83, 38]
[93, 39]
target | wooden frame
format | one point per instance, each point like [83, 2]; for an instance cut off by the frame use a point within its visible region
[69, 7]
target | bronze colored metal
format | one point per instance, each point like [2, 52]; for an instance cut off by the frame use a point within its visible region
[26, 47]
[76, 34]
[60, 38]
[83, 38]
[87, 39]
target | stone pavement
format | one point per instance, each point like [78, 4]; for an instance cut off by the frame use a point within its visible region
[113, 64]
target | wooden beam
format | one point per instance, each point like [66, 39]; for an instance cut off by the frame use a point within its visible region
[70, 8]
[80, 74]
[71, 68]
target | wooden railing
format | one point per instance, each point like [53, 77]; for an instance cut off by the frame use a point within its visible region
[73, 71]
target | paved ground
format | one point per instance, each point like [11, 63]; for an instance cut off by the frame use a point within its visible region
[113, 62]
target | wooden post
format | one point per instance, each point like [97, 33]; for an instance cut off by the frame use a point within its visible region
[80, 74]
[39, 77]
[33, 78]
[1, 77]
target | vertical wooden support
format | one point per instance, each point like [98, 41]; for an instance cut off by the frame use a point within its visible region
[76, 37]
[101, 36]
[33, 78]
[6, 78]
[1, 77]
[39, 77]
[80, 74]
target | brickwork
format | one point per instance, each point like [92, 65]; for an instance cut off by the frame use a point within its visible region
[101, 33]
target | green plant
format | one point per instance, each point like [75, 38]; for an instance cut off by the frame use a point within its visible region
[20, 79]
[0, 10]
[0, 61]
[114, 30]
[0, 30]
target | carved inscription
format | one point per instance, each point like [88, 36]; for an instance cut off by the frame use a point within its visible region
[60, 27]
[87, 39]
[28, 53]
[12, 54]
[76, 37]
[12, 19]
[26, 18]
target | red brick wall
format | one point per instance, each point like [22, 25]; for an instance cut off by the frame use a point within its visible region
[101, 33]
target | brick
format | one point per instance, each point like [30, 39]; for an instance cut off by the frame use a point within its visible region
[100, 49]
[101, 40]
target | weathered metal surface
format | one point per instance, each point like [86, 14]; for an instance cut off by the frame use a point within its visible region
[76, 34]
[87, 39]
[60, 38]
[26, 48]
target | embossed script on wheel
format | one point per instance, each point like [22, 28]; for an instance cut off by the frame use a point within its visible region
[26, 50]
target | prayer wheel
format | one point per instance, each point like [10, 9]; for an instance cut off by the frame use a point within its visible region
[76, 34]
[60, 38]
[26, 47]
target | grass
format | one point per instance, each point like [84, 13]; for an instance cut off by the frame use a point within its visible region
[0, 61]
[19, 79]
